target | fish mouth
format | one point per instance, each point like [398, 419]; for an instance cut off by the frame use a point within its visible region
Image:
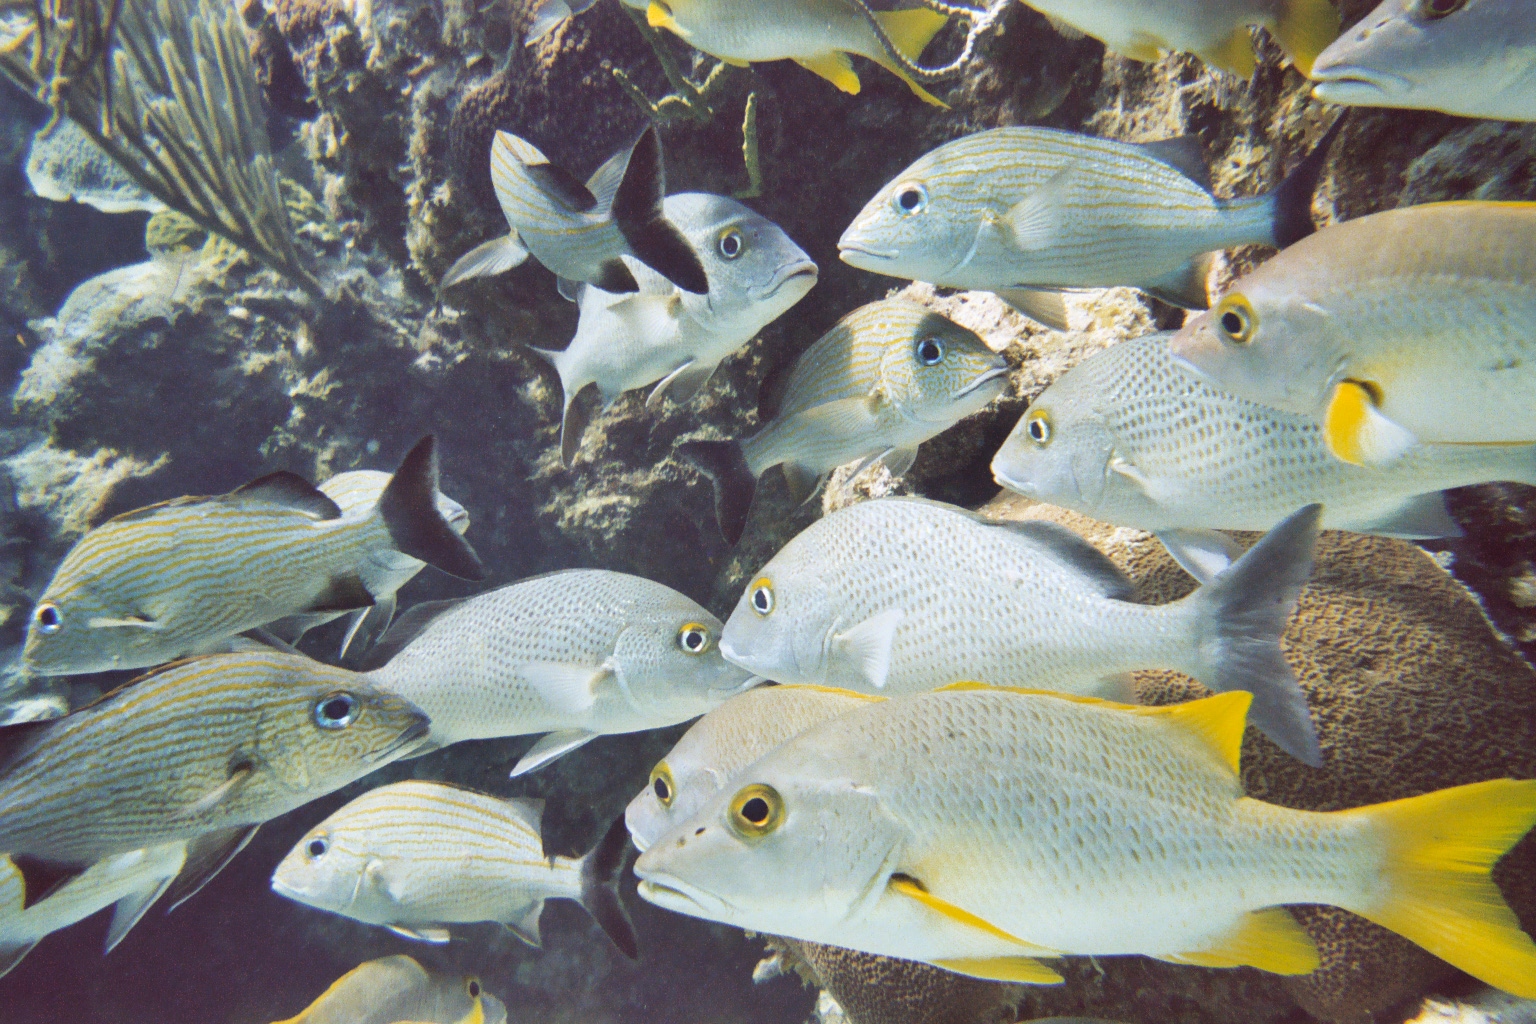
[725, 692]
[785, 274]
[1347, 83]
[1016, 486]
[845, 249]
[676, 895]
[408, 741]
[287, 891]
[990, 375]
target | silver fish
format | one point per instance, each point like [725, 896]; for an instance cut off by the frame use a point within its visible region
[664, 333]
[544, 16]
[398, 990]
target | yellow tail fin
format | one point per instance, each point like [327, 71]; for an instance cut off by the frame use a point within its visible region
[910, 32]
[1439, 893]
[1305, 29]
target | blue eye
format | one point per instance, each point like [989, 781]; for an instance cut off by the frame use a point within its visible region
[911, 199]
[49, 618]
[317, 847]
[930, 351]
[336, 711]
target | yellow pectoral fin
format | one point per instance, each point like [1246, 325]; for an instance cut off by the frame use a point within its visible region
[1018, 969]
[834, 67]
[909, 887]
[1235, 54]
[1355, 430]
[1270, 940]
[659, 15]
[1305, 29]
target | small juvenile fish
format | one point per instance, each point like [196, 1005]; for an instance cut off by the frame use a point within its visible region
[818, 35]
[663, 333]
[132, 881]
[383, 571]
[1032, 212]
[575, 654]
[175, 578]
[981, 829]
[580, 231]
[900, 595]
[547, 15]
[201, 751]
[889, 376]
[1411, 326]
[1133, 438]
[1476, 58]
[419, 856]
[1214, 30]
[398, 990]
[723, 742]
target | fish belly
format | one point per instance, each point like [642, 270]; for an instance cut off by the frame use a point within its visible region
[747, 30]
[1131, 26]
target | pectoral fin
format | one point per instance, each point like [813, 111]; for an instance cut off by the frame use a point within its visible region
[238, 777]
[1204, 554]
[1036, 220]
[436, 934]
[835, 67]
[486, 260]
[868, 646]
[1357, 432]
[526, 926]
[1235, 54]
[1270, 940]
[681, 384]
[913, 889]
[1043, 305]
[550, 747]
[569, 688]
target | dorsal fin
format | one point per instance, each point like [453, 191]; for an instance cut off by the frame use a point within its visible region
[406, 627]
[285, 490]
[1074, 552]
[1184, 154]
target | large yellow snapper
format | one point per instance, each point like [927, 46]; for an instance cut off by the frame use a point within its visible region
[816, 34]
[887, 377]
[723, 742]
[176, 578]
[398, 990]
[1215, 30]
[1413, 325]
[981, 830]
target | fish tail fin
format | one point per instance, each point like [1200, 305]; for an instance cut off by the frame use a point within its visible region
[408, 507]
[601, 870]
[1242, 614]
[910, 32]
[1438, 888]
[1293, 199]
[725, 465]
[636, 211]
[1304, 30]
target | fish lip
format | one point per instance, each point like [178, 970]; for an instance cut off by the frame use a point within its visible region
[1342, 80]
[410, 739]
[844, 248]
[287, 891]
[730, 691]
[990, 375]
[674, 891]
[783, 275]
[1004, 480]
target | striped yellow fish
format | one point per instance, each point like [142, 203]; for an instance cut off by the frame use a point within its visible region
[579, 231]
[989, 832]
[419, 856]
[398, 990]
[177, 578]
[201, 751]
[884, 379]
[1031, 212]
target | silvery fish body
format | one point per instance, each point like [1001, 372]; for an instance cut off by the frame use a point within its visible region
[175, 578]
[901, 595]
[1133, 438]
[217, 744]
[723, 742]
[418, 856]
[887, 377]
[1415, 325]
[1027, 210]
[574, 654]
[396, 990]
[664, 333]
[1477, 59]
[981, 829]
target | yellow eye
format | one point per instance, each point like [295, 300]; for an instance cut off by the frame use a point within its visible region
[1038, 426]
[756, 811]
[49, 619]
[731, 243]
[662, 784]
[762, 595]
[1434, 10]
[1235, 319]
[693, 638]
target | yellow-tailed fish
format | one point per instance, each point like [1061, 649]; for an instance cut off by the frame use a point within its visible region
[664, 333]
[1032, 212]
[1131, 437]
[383, 570]
[1411, 326]
[886, 378]
[1476, 58]
[575, 654]
[398, 990]
[723, 742]
[818, 35]
[179, 577]
[132, 881]
[580, 231]
[987, 831]
[419, 856]
[899, 595]
[201, 751]
[1217, 31]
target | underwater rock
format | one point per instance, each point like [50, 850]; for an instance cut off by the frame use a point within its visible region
[64, 164]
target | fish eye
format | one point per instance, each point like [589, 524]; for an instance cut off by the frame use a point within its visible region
[930, 351]
[693, 638]
[731, 243]
[49, 619]
[1038, 427]
[910, 199]
[762, 595]
[473, 988]
[756, 811]
[662, 783]
[1235, 318]
[1434, 10]
[317, 847]
[336, 710]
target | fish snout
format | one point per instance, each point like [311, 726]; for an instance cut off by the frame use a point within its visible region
[996, 373]
[1196, 346]
[800, 271]
[415, 733]
[1354, 83]
[864, 255]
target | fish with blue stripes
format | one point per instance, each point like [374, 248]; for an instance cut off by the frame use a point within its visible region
[398, 990]
[1030, 213]
[887, 377]
[418, 856]
[180, 577]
